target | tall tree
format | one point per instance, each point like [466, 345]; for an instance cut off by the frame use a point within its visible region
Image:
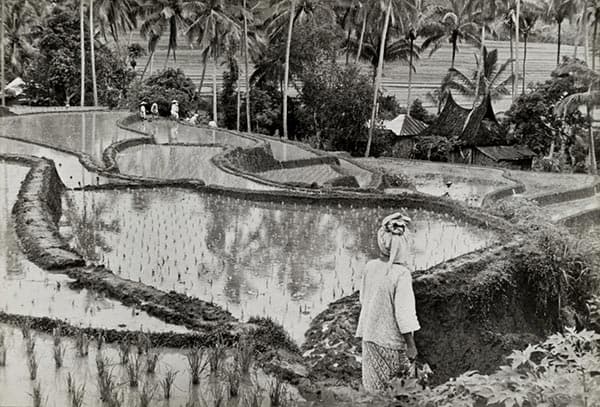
[594, 16]
[2, 67]
[557, 11]
[246, 69]
[82, 49]
[456, 23]
[378, 77]
[214, 28]
[116, 16]
[527, 21]
[286, 13]
[93, 53]
[157, 17]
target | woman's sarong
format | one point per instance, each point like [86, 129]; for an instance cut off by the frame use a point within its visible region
[380, 365]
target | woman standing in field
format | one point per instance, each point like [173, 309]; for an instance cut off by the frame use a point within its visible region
[388, 316]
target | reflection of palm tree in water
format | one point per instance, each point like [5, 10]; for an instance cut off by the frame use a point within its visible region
[174, 133]
[88, 226]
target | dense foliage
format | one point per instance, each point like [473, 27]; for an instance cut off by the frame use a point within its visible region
[564, 370]
[162, 88]
[533, 120]
[54, 73]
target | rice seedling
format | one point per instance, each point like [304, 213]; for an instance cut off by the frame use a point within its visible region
[1, 338]
[217, 394]
[32, 365]
[2, 356]
[151, 361]
[133, 371]
[77, 396]
[143, 343]
[195, 358]
[124, 352]
[69, 383]
[99, 341]
[82, 343]
[244, 356]
[146, 394]
[106, 386]
[56, 336]
[216, 355]
[232, 375]
[100, 363]
[116, 399]
[26, 330]
[30, 344]
[167, 383]
[59, 353]
[277, 393]
[253, 396]
[37, 396]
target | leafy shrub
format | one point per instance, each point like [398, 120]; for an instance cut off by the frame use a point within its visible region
[562, 371]
[434, 148]
[389, 108]
[547, 164]
[162, 88]
[417, 111]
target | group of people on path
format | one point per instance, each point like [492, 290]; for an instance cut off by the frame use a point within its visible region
[154, 110]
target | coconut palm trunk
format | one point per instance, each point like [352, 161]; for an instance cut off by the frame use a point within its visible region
[593, 165]
[558, 42]
[2, 78]
[93, 54]
[204, 64]
[82, 50]
[286, 72]
[594, 36]
[378, 78]
[148, 63]
[586, 34]
[410, 71]
[238, 106]
[525, 35]
[516, 78]
[246, 72]
[362, 38]
[453, 53]
[481, 67]
[214, 86]
[512, 59]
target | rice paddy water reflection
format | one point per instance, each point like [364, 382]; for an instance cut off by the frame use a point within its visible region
[286, 261]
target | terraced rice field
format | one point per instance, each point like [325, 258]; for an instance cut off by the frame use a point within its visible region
[318, 174]
[541, 59]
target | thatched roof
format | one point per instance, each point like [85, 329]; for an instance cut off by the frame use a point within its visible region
[477, 126]
[507, 153]
[405, 126]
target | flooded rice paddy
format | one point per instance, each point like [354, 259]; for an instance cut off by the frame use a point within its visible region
[286, 261]
[180, 162]
[25, 289]
[16, 386]
[90, 132]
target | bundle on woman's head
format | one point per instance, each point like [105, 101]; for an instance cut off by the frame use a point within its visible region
[391, 233]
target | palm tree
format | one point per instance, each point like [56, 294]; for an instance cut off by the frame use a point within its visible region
[82, 49]
[493, 80]
[284, 10]
[116, 16]
[527, 21]
[93, 52]
[216, 30]
[2, 69]
[457, 23]
[22, 25]
[594, 16]
[590, 99]
[557, 11]
[158, 16]
[246, 69]
[378, 76]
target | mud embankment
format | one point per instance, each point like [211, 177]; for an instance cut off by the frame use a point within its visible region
[473, 312]
[37, 211]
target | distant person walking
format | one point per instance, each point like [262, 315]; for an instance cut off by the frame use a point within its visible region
[388, 315]
[154, 110]
[174, 110]
[143, 110]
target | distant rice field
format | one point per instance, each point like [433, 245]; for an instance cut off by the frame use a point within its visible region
[541, 60]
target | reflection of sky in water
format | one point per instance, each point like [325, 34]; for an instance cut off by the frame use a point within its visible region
[89, 132]
[285, 261]
[178, 162]
[26, 289]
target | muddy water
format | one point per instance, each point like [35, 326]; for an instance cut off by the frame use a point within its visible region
[283, 261]
[178, 162]
[27, 290]
[87, 132]
[469, 192]
[16, 386]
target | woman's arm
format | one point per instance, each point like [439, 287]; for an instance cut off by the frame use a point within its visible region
[406, 313]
